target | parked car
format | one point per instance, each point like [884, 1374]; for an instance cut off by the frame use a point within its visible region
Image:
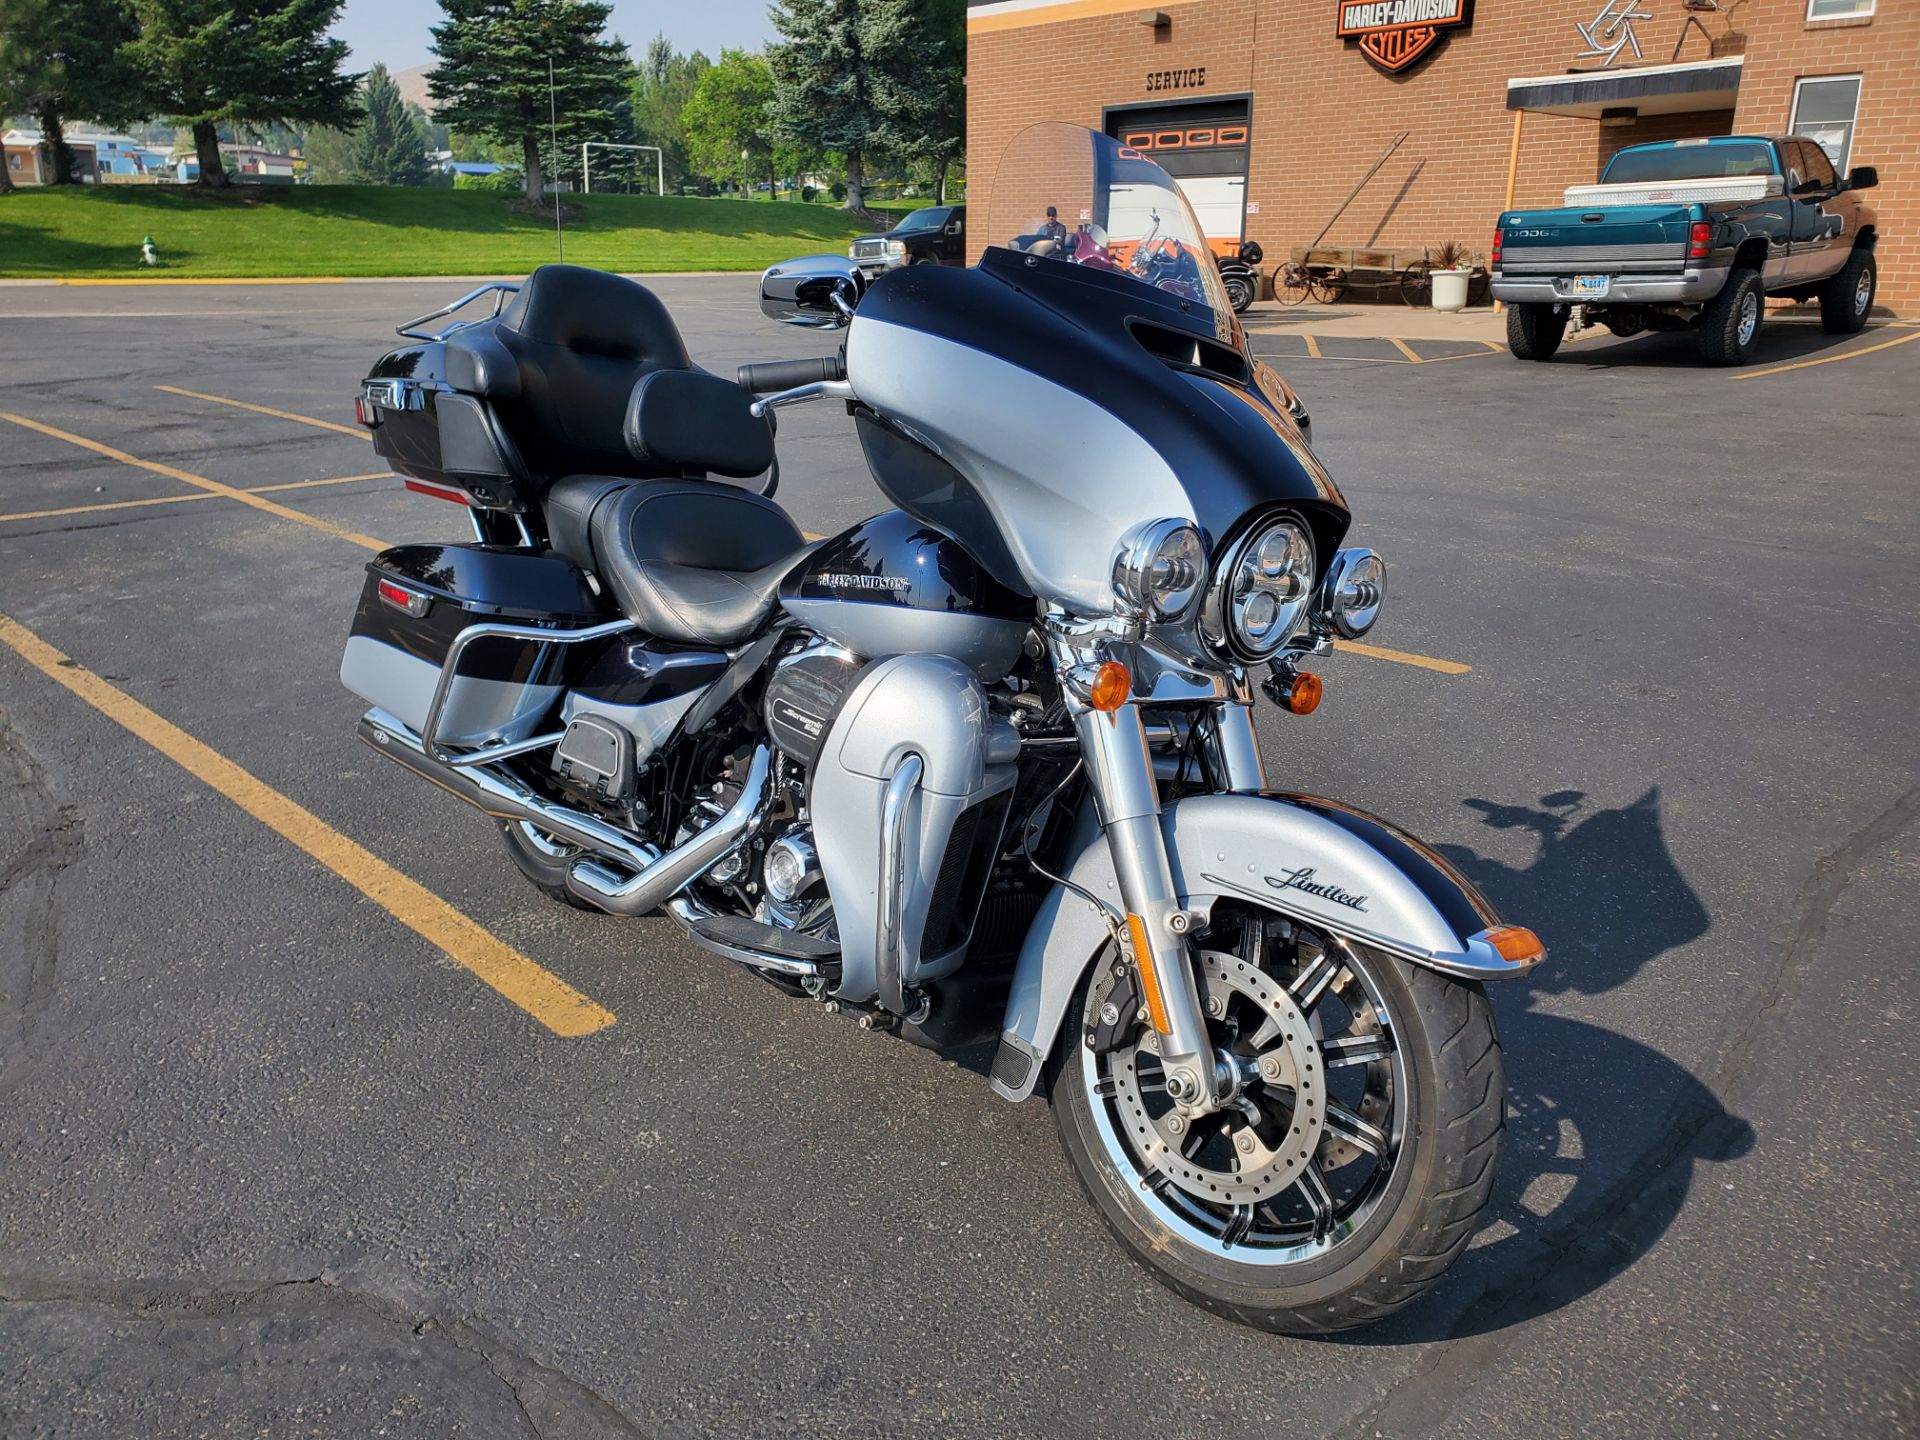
[936, 235]
[1692, 235]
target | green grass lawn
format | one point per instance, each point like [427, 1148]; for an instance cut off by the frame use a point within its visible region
[95, 232]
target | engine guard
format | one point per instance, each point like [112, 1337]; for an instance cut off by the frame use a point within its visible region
[1314, 860]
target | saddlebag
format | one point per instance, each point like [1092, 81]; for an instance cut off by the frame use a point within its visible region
[418, 598]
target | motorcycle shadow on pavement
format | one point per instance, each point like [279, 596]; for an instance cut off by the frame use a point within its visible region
[1606, 896]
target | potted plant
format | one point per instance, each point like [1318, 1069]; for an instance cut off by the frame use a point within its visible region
[1452, 266]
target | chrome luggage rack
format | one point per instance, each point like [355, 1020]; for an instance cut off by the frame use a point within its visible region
[499, 289]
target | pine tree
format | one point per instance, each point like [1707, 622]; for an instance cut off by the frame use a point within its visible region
[387, 146]
[919, 50]
[61, 60]
[492, 75]
[210, 62]
[822, 84]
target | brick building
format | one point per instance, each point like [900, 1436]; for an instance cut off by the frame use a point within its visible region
[1268, 114]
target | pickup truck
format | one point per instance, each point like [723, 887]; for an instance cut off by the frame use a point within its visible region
[936, 235]
[1691, 235]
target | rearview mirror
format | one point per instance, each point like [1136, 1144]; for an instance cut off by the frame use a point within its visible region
[818, 291]
[1862, 177]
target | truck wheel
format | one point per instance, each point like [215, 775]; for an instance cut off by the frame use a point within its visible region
[1730, 322]
[1534, 332]
[1847, 299]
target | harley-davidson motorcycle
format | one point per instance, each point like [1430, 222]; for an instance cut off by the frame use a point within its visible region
[984, 764]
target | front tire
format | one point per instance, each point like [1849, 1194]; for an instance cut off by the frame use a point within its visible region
[1327, 1252]
[1730, 322]
[1534, 331]
[1847, 299]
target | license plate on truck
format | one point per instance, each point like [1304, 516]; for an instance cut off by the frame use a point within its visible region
[1591, 284]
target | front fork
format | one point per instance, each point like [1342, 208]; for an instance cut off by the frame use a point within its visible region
[1127, 801]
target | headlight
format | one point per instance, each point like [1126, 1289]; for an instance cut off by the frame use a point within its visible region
[1159, 568]
[1353, 592]
[1260, 591]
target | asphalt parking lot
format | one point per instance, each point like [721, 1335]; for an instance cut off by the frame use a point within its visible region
[316, 1120]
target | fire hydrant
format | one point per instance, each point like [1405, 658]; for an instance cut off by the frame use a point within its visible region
[148, 255]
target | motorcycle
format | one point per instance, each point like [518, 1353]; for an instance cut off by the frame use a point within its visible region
[982, 767]
[1240, 274]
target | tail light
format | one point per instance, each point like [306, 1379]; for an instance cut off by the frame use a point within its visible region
[1699, 234]
[1499, 238]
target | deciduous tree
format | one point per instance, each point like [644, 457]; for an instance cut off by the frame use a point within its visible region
[492, 74]
[214, 62]
[727, 122]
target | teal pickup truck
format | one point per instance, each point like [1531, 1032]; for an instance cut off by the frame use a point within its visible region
[1691, 235]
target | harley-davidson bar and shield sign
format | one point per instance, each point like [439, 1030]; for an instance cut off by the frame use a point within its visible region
[1395, 33]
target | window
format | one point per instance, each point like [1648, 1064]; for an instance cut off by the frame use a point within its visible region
[1823, 111]
[1838, 9]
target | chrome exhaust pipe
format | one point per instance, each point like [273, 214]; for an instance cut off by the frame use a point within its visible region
[496, 793]
[670, 873]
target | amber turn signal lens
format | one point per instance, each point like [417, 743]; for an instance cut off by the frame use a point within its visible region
[1112, 684]
[1303, 694]
[1515, 944]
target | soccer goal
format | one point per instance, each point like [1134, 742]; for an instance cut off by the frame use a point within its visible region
[586, 167]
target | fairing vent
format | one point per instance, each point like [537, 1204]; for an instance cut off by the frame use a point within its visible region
[1184, 351]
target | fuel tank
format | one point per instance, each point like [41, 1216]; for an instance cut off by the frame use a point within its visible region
[893, 585]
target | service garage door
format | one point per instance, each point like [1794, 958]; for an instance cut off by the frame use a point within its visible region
[1204, 147]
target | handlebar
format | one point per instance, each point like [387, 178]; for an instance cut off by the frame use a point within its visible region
[774, 375]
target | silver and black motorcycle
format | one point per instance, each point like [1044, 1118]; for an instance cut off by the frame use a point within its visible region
[984, 764]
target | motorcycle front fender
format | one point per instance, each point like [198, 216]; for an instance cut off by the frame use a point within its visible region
[1315, 861]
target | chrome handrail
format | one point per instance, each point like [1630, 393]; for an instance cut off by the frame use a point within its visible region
[499, 289]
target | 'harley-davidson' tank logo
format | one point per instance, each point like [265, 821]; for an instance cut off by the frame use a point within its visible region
[1395, 33]
[840, 580]
[1303, 879]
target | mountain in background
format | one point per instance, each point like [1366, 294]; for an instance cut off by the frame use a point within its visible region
[413, 86]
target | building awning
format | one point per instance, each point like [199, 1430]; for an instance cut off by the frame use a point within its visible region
[1630, 93]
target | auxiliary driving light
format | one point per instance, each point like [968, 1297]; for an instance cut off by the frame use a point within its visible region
[1354, 590]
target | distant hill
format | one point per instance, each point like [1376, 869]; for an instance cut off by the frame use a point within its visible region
[413, 86]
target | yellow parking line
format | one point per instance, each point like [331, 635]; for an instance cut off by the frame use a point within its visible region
[539, 992]
[1405, 349]
[187, 477]
[1403, 657]
[1313, 346]
[216, 280]
[353, 430]
[1826, 359]
[183, 499]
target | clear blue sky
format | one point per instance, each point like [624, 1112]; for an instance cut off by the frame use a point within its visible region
[395, 31]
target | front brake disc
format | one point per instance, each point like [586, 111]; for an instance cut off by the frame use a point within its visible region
[1259, 1145]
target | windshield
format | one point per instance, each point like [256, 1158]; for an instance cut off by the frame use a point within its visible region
[1073, 196]
[1690, 162]
[931, 219]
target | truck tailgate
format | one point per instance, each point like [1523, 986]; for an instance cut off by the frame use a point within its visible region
[1620, 240]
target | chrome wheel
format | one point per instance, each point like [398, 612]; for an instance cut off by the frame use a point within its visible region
[1300, 1154]
[1749, 322]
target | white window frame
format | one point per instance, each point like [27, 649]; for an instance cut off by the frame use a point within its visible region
[1813, 19]
[1859, 93]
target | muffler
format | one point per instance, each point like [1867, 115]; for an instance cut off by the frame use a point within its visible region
[656, 877]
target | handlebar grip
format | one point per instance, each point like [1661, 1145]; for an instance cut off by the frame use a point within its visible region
[773, 375]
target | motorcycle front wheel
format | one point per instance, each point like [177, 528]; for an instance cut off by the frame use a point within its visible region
[1354, 1158]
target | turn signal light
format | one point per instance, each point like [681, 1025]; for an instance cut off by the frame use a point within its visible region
[1515, 944]
[1699, 235]
[1302, 695]
[1112, 684]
